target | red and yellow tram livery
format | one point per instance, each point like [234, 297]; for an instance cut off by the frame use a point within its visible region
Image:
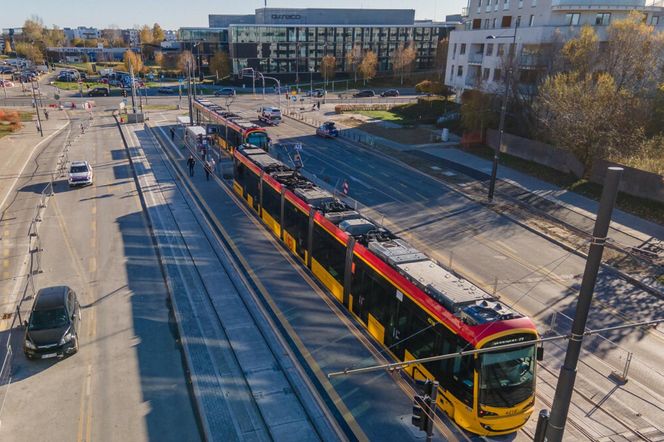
[227, 129]
[406, 301]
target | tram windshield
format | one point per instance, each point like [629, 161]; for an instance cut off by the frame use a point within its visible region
[258, 139]
[507, 378]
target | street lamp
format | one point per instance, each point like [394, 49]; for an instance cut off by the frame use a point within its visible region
[503, 111]
[311, 82]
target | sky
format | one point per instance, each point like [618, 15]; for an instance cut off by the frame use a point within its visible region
[173, 14]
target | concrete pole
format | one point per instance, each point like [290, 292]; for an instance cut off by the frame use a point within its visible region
[561, 401]
[191, 111]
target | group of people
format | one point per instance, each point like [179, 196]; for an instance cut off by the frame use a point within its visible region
[208, 166]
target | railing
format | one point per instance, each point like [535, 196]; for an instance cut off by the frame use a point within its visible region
[475, 57]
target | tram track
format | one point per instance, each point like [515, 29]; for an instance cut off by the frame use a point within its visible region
[629, 427]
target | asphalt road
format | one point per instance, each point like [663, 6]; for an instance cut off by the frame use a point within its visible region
[127, 381]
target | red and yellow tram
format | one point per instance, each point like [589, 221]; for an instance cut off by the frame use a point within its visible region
[227, 129]
[406, 301]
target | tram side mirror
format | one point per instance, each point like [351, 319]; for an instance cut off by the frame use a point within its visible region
[540, 353]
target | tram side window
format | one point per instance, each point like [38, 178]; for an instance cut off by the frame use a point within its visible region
[271, 201]
[240, 173]
[329, 253]
[378, 294]
[296, 224]
[252, 181]
[462, 375]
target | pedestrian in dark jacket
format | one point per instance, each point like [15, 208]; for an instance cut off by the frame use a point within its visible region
[172, 134]
[191, 162]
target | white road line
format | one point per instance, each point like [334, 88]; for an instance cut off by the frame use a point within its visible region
[11, 188]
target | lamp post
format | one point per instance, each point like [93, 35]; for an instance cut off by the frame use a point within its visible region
[311, 82]
[503, 111]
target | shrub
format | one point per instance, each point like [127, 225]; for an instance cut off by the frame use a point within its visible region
[341, 108]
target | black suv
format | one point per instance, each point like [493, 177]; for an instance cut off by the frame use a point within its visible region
[99, 92]
[52, 329]
[390, 93]
[365, 94]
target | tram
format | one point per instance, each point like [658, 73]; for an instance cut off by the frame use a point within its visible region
[227, 129]
[405, 300]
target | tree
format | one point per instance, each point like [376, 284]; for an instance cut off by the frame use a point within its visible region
[403, 59]
[328, 67]
[581, 53]
[186, 57]
[145, 35]
[33, 29]
[477, 111]
[54, 37]
[441, 56]
[635, 54]
[220, 65]
[353, 58]
[8, 47]
[157, 34]
[590, 116]
[367, 68]
[134, 60]
[159, 59]
[30, 51]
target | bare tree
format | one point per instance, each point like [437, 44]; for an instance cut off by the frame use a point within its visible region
[403, 60]
[441, 56]
[353, 59]
[328, 67]
[185, 58]
[220, 64]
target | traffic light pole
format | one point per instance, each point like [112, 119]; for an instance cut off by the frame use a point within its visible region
[561, 400]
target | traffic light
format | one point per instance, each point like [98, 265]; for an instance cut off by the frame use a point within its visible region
[420, 415]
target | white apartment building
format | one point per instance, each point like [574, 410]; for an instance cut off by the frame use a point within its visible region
[81, 32]
[480, 49]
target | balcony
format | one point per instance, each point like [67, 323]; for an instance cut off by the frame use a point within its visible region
[532, 60]
[475, 57]
[564, 5]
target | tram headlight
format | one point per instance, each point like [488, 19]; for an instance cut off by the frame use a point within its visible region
[486, 413]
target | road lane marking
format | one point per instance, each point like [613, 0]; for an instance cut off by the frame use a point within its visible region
[94, 209]
[92, 266]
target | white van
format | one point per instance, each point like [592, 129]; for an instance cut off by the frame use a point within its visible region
[269, 115]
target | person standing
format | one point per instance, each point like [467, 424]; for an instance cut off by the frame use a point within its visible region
[213, 165]
[206, 167]
[172, 134]
[191, 162]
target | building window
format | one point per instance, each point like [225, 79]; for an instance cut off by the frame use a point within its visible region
[494, 23]
[534, 3]
[654, 20]
[489, 49]
[500, 50]
[486, 23]
[532, 20]
[520, 4]
[452, 72]
[454, 51]
[506, 5]
[518, 21]
[603, 18]
[497, 74]
[485, 74]
[477, 23]
[488, 6]
[479, 6]
[495, 5]
[463, 49]
[572, 19]
[459, 71]
[506, 22]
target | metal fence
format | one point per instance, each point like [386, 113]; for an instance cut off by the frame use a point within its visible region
[34, 267]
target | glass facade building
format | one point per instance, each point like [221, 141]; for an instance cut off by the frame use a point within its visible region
[290, 49]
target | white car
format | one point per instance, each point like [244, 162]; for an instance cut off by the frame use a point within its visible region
[80, 173]
[270, 115]
[6, 83]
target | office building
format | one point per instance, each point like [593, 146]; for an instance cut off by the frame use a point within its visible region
[290, 41]
[530, 31]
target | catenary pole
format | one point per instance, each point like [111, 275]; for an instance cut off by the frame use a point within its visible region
[561, 400]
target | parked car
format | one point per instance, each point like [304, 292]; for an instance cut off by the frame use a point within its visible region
[365, 94]
[225, 92]
[318, 93]
[165, 90]
[390, 93]
[99, 92]
[80, 173]
[52, 328]
[6, 83]
[327, 130]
